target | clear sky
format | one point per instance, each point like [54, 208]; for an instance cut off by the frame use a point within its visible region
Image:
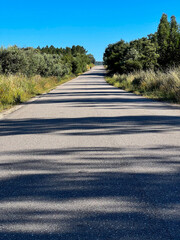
[92, 24]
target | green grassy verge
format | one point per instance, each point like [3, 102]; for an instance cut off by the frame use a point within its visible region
[15, 89]
[164, 86]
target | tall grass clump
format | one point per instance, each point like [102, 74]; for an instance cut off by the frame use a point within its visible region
[19, 88]
[159, 85]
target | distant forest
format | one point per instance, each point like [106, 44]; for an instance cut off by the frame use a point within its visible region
[159, 50]
[45, 61]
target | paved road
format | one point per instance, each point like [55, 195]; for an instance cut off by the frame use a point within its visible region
[91, 162]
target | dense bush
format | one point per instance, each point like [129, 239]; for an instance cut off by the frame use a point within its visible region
[157, 51]
[76, 58]
[47, 61]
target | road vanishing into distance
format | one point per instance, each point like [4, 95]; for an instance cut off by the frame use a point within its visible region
[88, 161]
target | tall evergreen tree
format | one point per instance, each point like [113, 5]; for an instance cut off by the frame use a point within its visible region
[174, 41]
[163, 36]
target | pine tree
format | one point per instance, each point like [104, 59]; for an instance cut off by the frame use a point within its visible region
[163, 36]
[178, 55]
[174, 41]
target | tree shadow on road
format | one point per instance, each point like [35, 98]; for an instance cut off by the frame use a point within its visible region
[90, 193]
[92, 125]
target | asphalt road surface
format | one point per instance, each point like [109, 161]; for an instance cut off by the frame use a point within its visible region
[88, 161]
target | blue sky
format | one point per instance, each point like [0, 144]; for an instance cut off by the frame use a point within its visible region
[92, 24]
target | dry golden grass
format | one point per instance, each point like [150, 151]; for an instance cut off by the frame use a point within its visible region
[159, 85]
[15, 89]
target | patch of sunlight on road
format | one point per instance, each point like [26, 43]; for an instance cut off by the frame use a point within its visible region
[171, 212]
[8, 174]
[53, 216]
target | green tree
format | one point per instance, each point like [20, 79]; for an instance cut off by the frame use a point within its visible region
[145, 53]
[163, 36]
[91, 58]
[115, 56]
[133, 60]
[149, 55]
[13, 60]
[174, 41]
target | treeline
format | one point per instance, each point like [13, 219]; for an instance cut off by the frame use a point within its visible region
[46, 61]
[160, 50]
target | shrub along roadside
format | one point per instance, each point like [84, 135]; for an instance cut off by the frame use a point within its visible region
[46, 62]
[15, 89]
[26, 72]
[157, 85]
